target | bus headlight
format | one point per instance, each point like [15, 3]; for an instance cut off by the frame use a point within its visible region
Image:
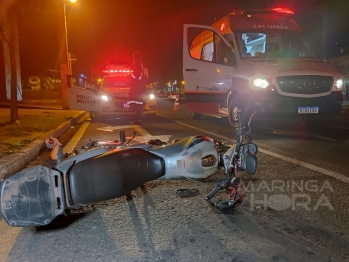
[338, 84]
[260, 82]
[105, 98]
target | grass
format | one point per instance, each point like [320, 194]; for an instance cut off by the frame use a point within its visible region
[31, 123]
[29, 127]
[15, 147]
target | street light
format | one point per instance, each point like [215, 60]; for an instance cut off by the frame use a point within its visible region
[65, 56]
[66, 35]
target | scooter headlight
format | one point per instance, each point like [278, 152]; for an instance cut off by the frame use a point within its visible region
[151, 96]
[208, 161]
[252, 148]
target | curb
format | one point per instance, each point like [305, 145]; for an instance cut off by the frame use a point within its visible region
[14, 163]
[42, 105]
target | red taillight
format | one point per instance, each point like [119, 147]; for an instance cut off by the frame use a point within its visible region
[283, 10]
[204, 138]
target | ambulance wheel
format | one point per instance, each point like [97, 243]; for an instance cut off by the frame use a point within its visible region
[95, 117]
[196, 115]
[234, 106]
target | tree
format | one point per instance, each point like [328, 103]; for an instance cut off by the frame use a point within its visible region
[13, 8]
[13, 42]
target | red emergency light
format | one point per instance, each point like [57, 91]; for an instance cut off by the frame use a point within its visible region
[117, 70]
[223, 27]
[283, 10]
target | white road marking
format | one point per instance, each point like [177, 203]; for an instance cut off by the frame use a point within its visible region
[340, 127]
[112, 128]
[144, 137]
[141, 131]
[69, 148]
[324, 171]
[8, 238]
[293, 133]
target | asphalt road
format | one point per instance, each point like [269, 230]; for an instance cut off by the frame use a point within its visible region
[296, 208]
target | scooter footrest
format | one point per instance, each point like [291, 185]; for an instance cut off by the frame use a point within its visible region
[32, 197]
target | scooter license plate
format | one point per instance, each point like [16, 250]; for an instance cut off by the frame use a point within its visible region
[308, 110]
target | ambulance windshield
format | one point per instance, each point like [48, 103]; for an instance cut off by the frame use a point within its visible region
[274, 44]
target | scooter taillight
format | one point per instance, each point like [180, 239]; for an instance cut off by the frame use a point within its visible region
[206, 138]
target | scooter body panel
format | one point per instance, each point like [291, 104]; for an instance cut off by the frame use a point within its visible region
[32, 197]
[184, 159]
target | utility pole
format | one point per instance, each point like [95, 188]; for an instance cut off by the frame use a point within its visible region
[65, 63]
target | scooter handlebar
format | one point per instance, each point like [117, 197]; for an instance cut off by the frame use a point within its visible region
[212, 193]
[220, 185]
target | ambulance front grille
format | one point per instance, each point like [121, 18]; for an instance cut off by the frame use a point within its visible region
[305, 84]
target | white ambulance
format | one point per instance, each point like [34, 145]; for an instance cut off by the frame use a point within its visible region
[257, 59]
[107, 100]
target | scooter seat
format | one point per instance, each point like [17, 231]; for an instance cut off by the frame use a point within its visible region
[113, 174]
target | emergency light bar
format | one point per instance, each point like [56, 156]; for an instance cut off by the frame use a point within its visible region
[117, 70]
[281, 10]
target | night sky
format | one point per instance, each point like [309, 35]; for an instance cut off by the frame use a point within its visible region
[100, 31]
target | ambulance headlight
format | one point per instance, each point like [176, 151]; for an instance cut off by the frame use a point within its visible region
[260, 82]
[338, 84]
[151, 96]
[105, 98]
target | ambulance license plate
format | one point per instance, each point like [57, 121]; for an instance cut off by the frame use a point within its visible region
[308, 109]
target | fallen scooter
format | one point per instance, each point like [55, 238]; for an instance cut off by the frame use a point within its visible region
[37, 195]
